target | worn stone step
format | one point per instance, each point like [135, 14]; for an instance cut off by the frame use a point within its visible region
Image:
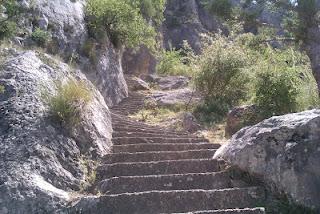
[151, 131]
[158, 168]
[257, 210]
[163, 147]
[155, 202]
[158, 156]
[137, 140]
[116, 134]
[118, 127]
[129, 184]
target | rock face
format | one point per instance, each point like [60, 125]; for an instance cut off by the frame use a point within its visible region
[42, 163]
[139, 63]
[284, 151]
[65, 21]
[187, 20]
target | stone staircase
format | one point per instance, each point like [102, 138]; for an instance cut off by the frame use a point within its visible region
[154, 170]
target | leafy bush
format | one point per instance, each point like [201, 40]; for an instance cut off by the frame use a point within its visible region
[173, 63]
[276, 93]
[11, 11]
[68, 103]
[121, 20]
[285, 83]
[41, 37]
[221, 76]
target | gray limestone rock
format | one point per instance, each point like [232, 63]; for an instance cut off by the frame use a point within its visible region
[43, 164]
[284, 152]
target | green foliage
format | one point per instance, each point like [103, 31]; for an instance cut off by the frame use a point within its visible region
[245, 70]
[122, 21]
[284, 83]
[221, 8]
[67, 104]
[11, 11]
[151, 10]
[221, 76]
[41, 37]
[173, 63]
[276, 93]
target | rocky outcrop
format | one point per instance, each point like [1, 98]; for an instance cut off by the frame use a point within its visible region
[139, 62]
[63, 19]
[187, 20]
[284, 152]
[65, 22]
[43, 164]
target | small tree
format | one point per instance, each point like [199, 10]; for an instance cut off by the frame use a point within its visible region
[221, 76]
[276, 93]
[122, 22]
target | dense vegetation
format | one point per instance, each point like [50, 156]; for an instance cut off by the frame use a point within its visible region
[11, 11]
[125, 22]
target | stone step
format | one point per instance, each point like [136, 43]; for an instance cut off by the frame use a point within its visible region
[106, 171]
[146, 134]
[151, 131]
[257, 210]
[158, 156]
[163, 147]
[119, 127]
[164, 139]
[129, 184]
[155, 202]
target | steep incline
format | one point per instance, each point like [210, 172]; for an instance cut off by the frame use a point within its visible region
[154, 170]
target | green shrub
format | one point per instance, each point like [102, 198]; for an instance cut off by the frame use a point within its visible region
[121, 20]
[276, 93]
[41, 37]
[8, 26]
[221, 75]
[67, 104]
[285, 83]
[173, 63]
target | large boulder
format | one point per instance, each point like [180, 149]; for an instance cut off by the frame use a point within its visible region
[42, 163]
[284, 152]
